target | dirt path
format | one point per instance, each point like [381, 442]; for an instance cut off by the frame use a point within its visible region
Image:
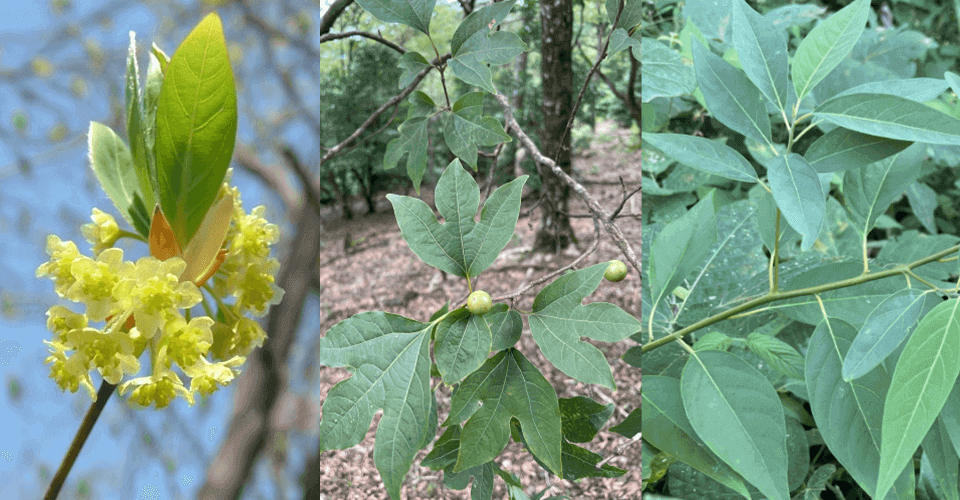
[365, 265]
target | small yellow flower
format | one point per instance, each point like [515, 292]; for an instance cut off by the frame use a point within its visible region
[62, 255]
[70, 372]
[153, 291]
[103, 232]
[187, 342]
[95, 280]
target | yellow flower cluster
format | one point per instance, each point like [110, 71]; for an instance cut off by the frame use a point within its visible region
[144, 306]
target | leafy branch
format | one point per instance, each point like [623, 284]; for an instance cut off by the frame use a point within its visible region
[773, 296]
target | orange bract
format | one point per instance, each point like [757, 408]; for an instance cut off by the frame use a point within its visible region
[204, 253]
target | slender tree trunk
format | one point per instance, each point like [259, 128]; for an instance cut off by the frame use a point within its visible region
[555, 232]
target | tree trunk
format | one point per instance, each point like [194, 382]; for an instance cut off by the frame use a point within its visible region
[555, 232]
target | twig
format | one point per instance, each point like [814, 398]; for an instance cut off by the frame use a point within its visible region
[592, 204]
[103, 395]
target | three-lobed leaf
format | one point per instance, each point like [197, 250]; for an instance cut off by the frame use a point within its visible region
[196, 127]
[465, 128]
[460, 245]
[559, 320]
[506, 386]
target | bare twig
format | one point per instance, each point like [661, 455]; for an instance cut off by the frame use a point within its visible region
[592, 204]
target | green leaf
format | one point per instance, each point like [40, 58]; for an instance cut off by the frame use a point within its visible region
[196, 127]
[799, 194]
[848, 414]
[950, 416]
[705, 155]
[577, 462]
[582, 418]
[630, 426]
[629, 17]
[663, 72]
[459, 246]
[413, 140]
[411, 63]
[506, 386]
[462, 344]
[470, 63]
[464, 129]
[722, 396]
[943, 460]
[887, 326]
[730, 96]
[766, 217]
[665, 425]
[559, 320]
[137, 133]
[482, 487]
[480, 22]
[926, 372]
[389, 356]
[870, 190]
[444, 452]
[413, 13]
[780, 355]
[680, 248]
[914, 245]
[891, 116]
[762, 51]
[505, 325]
[111, 162]
[914, 89]
[620, 40]
[713, 341]
[827, 45]
[923, 201]
[162, 58]
[151, 98]
[843, 149]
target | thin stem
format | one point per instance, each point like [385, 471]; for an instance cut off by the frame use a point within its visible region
[775, 296]
[106, 389]
[775, 284]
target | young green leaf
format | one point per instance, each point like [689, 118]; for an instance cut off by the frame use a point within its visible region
[926, 373]
[459, 246]
[137, 128]
[111, 162]
[196, 127]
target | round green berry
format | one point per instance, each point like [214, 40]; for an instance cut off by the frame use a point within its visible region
[479, 302]
[616, 271]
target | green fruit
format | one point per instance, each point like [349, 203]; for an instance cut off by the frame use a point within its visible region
[616, 271]
[479, 302]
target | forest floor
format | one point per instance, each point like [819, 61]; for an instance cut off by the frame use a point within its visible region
[366, 265]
